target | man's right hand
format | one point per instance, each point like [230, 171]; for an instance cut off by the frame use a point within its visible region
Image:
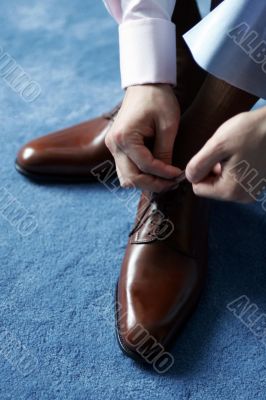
[147, 112]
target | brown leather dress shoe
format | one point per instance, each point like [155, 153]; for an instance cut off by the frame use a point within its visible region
[69, 154]
[162, 273]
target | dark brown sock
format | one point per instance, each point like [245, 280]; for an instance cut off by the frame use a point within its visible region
[215, 103]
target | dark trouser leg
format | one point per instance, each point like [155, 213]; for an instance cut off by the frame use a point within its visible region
[215, 3]
[189, 75]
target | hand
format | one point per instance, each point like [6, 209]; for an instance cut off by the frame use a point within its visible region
[148, 112]
[232, 164]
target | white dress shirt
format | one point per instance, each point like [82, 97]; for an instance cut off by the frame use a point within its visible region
[230, 42]
[147, 40]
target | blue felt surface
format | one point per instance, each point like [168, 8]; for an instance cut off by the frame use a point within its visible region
[56, 282]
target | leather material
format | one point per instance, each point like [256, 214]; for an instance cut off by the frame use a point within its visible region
[164, 267]
[71, 152]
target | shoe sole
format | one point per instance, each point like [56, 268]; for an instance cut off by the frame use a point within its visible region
[125, 349]
[51, 178]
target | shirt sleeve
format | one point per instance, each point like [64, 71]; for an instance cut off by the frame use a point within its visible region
[230, 43]
[147, 40]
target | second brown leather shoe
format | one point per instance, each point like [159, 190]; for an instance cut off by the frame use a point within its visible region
[162, 273]
[69, 154]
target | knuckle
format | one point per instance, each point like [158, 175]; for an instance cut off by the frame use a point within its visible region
[144, 166]
[123, 184]
[170, 127]
[197, 191]
[119, 138]
[220, 146]
[191, 170]
[115, 138]
[127, 183]
[218, 139]
[108, 141]
[242, 117]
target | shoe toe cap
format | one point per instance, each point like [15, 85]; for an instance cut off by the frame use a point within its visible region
[28, 158]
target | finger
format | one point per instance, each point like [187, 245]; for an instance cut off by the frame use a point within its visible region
[221, 188]
[130, 176]
[148, 164]
[126, 169]
[206, 160]
[153, 184]
[217, 169]
[210, 188]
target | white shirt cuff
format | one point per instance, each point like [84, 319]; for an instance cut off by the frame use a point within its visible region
[147, 52]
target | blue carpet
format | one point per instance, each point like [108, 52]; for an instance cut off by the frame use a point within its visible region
[57, 275]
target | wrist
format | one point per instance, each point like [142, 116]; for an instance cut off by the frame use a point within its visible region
[150, 87]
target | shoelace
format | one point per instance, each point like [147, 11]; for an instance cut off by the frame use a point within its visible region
[163, 203]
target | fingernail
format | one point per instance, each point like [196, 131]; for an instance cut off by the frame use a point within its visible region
[189, 177]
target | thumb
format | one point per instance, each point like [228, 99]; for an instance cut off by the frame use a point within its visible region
[207, 160]
[213, 187]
